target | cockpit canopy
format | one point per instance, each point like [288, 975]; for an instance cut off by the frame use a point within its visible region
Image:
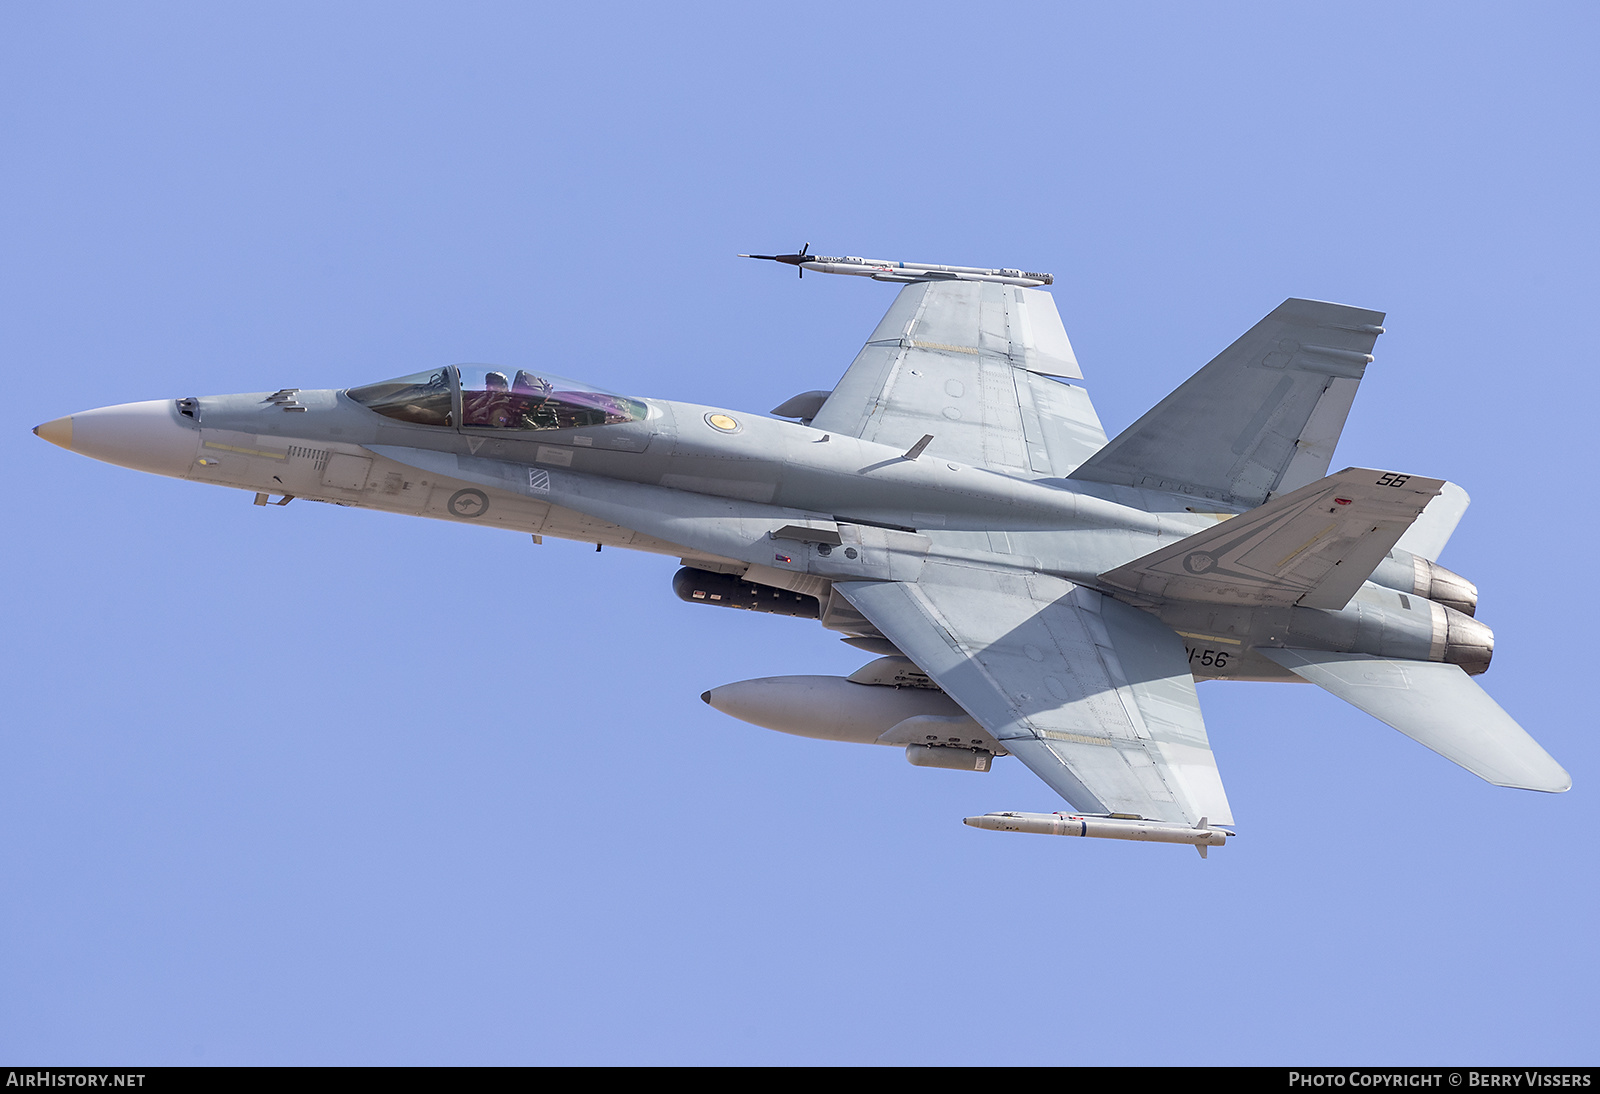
[486, 397]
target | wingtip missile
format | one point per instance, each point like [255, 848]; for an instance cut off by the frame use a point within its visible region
[904, 272]
[1200, 836]
[800, 259]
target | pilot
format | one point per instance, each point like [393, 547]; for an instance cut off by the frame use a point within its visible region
[491, 406]
[537, 407]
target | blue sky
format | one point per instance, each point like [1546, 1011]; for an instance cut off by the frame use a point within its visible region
[314, 785]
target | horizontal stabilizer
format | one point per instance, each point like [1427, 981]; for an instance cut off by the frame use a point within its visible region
[1436, 705]
[1313, 547]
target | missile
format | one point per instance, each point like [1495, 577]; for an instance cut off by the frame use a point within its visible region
[880, 270]
[1113, 826]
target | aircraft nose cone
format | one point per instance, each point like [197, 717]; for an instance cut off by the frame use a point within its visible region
[57, 432]
[144, 436]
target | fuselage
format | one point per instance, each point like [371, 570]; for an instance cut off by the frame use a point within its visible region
[779, 503]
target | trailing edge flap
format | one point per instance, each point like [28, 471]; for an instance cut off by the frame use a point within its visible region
[1313, 547]
[1261, 419]
[1436, 705]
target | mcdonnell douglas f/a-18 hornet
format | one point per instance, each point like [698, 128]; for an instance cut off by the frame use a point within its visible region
[953, 506]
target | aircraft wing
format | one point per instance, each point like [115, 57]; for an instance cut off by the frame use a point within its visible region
[969, 363]
[1313, 547]
[1093, 696]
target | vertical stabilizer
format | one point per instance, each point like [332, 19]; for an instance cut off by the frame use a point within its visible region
[1261, 419]
[1432, 529]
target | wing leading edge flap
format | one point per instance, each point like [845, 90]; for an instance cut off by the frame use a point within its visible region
[1261, 419]
[1313, 547]
[1093, 696]
[1436, 705]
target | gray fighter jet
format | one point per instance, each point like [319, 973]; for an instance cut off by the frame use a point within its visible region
[953, 506]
